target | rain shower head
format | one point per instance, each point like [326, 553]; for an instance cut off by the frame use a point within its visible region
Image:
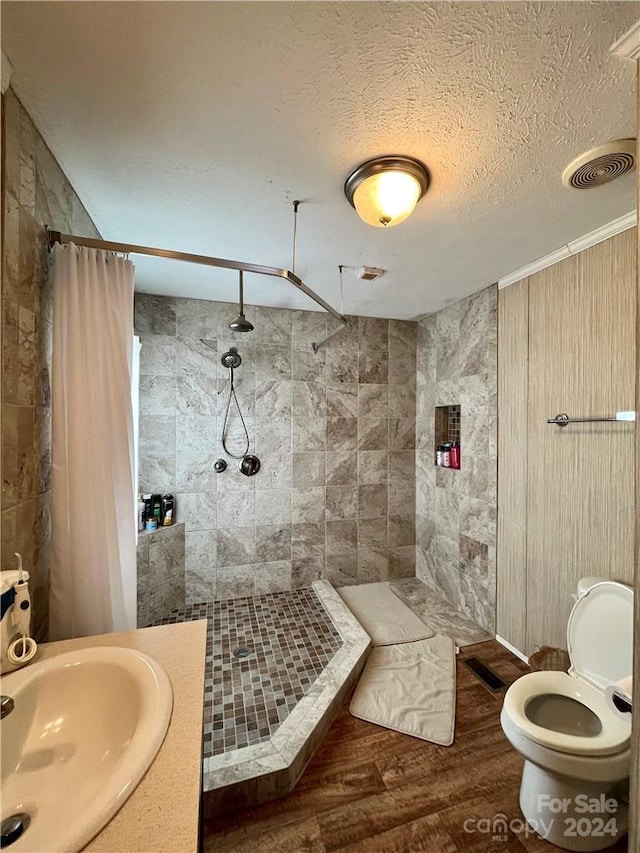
[241, 324]
[231, 359]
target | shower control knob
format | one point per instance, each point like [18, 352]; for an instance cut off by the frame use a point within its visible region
[219, 466]
[249, 465]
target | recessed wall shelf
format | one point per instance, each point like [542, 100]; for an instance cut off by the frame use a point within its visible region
[447, 432]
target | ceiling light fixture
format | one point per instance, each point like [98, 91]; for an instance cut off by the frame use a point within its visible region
[385, 190]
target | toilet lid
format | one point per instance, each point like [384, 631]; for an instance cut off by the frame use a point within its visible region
[600, 634]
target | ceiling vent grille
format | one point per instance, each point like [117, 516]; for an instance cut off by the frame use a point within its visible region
[601, 165]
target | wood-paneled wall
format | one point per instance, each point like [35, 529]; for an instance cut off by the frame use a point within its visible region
[578, 483]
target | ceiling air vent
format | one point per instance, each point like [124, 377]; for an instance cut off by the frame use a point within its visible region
[370, 273]
[601, 165]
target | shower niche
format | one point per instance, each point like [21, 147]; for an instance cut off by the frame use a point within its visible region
[447, 436]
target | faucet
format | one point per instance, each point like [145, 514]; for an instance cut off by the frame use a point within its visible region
[16, 646]
[6, 706]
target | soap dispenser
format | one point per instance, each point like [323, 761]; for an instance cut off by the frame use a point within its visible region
[16, 646]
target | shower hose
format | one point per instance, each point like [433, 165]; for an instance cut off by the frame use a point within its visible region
[232, 396]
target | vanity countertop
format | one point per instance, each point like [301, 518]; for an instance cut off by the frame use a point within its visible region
[162, 814]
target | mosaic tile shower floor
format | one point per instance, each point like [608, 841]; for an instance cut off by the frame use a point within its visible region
[263, 655]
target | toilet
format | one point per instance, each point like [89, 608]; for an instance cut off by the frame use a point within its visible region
[576, 748]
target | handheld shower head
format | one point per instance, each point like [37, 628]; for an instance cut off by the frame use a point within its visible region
[231, 359]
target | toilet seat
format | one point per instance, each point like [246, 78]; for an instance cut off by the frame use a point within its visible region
[614, 737]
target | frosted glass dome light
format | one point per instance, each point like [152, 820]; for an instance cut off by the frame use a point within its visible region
[386, 190]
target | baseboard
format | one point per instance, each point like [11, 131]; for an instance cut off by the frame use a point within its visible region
[512, 649]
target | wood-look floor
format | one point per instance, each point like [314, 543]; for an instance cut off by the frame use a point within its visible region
[371, 790]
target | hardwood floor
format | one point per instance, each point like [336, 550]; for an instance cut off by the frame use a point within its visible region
[370, 790]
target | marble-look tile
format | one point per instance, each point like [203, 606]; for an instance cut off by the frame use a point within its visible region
[478, 520]
[157, 355]
[402, 433]
[373, 366]
[154, 315]
[341, 502]
[373, 564]
[438, 613]
[373, 401]
[200, 586]
[372, 532]
[308, 469]
[306, 570]
[273, 437]
[342, 434]
[308, 505]
[307, 540]
[195, 394]
[275, 470]
[273, 363]
[273, 400]
[166, 596]
[402, 465]
[341, 537]
[308, 433]
[373, 466]
[342, 401]
[234, 581]
[372, 500]
[341, 468]
[401, 498]
[309, 399]
[18, 454]
[273, 542]
[273, 577]
[236, 508]
[200, 550]
[157, 395]
[196, 510]
[342, 569]
[194, 473]
[235, 547]
[373, 333]
[373, 433]
[196, 318]
[308, 327]
[478, 327]
[195, 434]
[166, 554]
[402, 530]
[307, 365]
[273, 506]
[157, 474]
[403, 338]
[47, 193]
[341, 370]
[273, 326]
[474, 558]
[402, 562]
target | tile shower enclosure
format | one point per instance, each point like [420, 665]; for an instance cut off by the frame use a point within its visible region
[334, 430]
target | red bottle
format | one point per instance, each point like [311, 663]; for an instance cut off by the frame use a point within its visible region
[455, 455]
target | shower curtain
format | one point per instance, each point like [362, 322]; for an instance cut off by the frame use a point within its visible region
[93, 531]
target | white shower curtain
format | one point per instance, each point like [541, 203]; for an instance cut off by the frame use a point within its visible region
[93, 533]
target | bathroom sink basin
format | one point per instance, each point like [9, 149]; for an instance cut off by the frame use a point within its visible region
[84, 728]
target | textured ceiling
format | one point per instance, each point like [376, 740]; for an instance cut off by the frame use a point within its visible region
[193, 126]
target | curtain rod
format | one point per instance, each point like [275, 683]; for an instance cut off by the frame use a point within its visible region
[127, 248]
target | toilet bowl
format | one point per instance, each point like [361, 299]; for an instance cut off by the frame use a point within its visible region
[576, 748]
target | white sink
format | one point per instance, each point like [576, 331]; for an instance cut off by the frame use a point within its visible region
[85, 727]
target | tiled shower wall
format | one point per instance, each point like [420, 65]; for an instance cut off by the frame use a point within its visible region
[456, 510]
[334, 430]
[35, 193]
